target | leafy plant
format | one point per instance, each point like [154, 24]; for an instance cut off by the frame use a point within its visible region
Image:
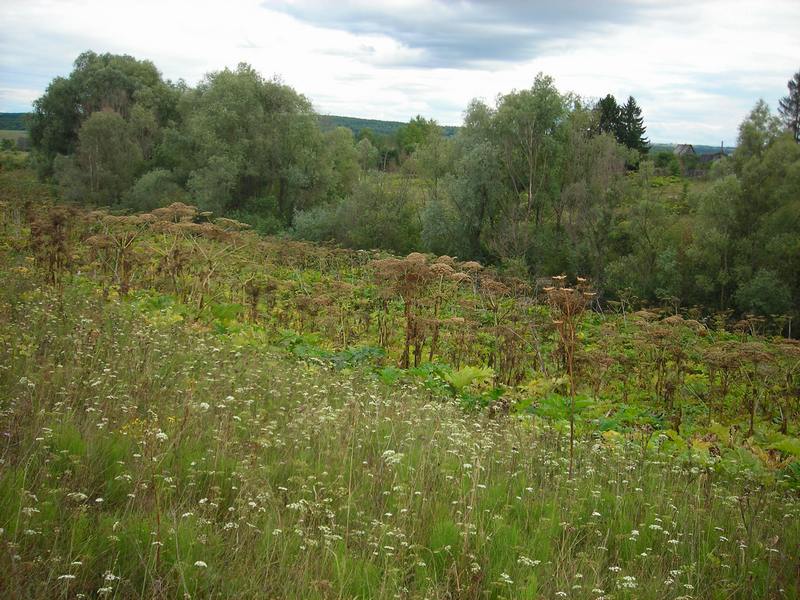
[461, 379]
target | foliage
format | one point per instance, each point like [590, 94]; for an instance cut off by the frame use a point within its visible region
[625, 122]
[152, 190]
[379, 213]
[536, 183]
[466, 376]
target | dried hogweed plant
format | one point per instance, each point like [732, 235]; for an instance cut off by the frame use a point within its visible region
[568, 305]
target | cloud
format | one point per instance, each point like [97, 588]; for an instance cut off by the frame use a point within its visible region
[695, 68]
[18, 96]
[459, 34]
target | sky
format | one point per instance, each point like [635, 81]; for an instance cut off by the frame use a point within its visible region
[696, 67]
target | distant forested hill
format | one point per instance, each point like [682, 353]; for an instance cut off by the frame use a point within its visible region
[16, 122]
[13, 121]
[378, 127]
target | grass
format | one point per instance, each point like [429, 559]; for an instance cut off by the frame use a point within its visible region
[153, 449]
[147, 460]
[12, 134]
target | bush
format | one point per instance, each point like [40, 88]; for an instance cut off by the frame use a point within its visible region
[380, 213]
[765, 294]
[317, 224]
[260, 213]
[152, 190]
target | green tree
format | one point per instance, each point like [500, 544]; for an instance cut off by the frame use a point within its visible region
[381, 212]
[433, 160]
[589, 197]
[107, 158]
[418, 131]
[368, 155]
[54, 123]
[609, 116]
[765, 294]
[632, 127]
[456, 221]
[262, 129]
[756, 132]
[342, 157]
[524, 124]
[789, 107]
[98, 82]
[212, 185]
[714, 245]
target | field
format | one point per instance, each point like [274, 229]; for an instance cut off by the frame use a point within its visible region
[12, 134]
[191, 410]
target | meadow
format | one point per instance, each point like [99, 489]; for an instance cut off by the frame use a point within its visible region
[191, 410]
[13, 134]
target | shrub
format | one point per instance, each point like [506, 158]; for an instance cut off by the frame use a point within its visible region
[152, 190]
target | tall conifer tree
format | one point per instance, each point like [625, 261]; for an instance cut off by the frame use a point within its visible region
[789, 107]
[633, 129]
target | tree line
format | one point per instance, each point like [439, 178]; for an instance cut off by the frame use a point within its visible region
[538, 182]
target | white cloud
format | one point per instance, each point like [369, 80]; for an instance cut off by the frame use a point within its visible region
[695, 68]
[18, 96]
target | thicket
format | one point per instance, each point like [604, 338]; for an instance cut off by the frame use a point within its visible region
[538, 183]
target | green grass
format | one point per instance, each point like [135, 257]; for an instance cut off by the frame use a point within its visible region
[135, 450]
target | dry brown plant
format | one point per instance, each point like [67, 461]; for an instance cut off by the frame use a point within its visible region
[568, 305]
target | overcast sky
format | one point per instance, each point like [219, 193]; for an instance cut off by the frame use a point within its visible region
[695, 67]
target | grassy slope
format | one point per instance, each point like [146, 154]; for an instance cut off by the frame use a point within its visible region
[15, 121]
[151, 451]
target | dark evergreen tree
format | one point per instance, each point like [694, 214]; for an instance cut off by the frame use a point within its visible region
[609, 116]
[789, 107]
[633, 129]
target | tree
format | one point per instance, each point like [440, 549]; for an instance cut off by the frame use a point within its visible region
[368, 155]
[55, 121]
[418, 131]
[765, 294]
[380, 213]
[714, 245]
[524, 124]
[98, 82]
[789, 107]
[632, 127]
[590, 191]
[609, 118]
[624, 122]
[107, 160]
[456, 220]
[264, 130]
[342, 158]
[756, 132]
[433, 161]
[213, 184]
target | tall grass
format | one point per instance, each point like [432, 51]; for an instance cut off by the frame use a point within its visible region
[143, 458]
